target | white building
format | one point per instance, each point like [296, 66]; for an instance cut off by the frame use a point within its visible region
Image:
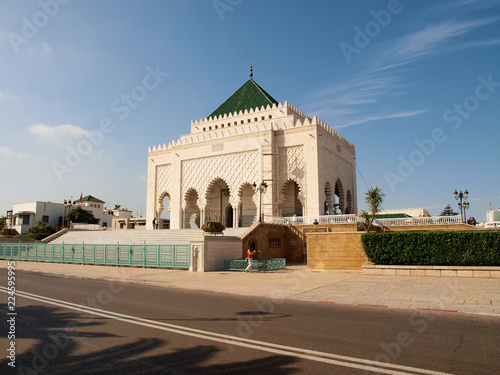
[251, 139]
[493, 215]
[105, 216]
[412, 212]
[25, 215]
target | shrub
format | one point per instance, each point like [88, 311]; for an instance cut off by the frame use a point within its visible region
[8, 232]
[39, 231]
[213, 227]
[433, 248]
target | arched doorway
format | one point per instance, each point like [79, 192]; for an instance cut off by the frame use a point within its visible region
[192, 211]
[228, 223]
[217, 201]
[163, 211]
[291, 204]
[248, 208]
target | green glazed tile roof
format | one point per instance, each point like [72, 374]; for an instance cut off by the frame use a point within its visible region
[89, 198]
[393, 216]
[248, 96]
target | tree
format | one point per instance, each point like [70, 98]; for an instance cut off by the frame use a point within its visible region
[374, 198]
[81, 216]
[448, 211]
[40, 230]
[3, 220]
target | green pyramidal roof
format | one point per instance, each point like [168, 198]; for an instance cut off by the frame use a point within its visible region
[90, 198]
[248, 96]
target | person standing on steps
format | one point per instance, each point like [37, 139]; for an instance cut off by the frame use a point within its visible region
[250, 254]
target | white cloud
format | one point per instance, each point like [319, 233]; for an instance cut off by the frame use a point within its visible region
[370, 95]
[46, 48]
[464, 4]
[57, 133]
[358, 100]
[5, 96]
[7, 152]
[476, 44]
[362, 120]
[424, 41]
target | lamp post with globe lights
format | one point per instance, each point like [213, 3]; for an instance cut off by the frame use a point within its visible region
[462, 202]
[262, 188]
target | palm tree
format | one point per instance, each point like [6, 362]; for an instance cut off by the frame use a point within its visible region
[374, 198]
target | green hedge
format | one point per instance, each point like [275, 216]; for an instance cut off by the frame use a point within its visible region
[433, 248]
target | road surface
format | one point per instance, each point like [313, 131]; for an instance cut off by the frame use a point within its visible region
[77, 326]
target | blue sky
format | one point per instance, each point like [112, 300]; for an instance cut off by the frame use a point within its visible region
[415, 85]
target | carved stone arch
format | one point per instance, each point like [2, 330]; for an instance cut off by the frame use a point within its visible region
[161, 197]
[339, 191]
[248, 204]
[191, 209]
[292, 199]
[213, 182]
[188, 196]
[217, 198]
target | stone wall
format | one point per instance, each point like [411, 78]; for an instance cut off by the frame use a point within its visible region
[335, 251]
[274, 241]
[343, 250]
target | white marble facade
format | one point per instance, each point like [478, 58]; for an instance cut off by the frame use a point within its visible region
[208, 174]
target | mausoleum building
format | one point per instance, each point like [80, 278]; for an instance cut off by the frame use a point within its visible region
[303, 166]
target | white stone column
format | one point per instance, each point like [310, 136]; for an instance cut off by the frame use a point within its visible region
[202, 216]
[235, 216]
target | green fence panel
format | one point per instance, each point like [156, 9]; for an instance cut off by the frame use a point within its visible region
[151, 257]
[88, 254]
[137, 255]
[166, 256]
[258, 265]
[99, 254]
[182, 256]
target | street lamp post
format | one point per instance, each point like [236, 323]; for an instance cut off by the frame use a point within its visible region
[315, 224]
[262, 188]
[462, 202]
[67, 203]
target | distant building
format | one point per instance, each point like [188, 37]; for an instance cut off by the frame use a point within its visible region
[105, 215]
[92, 204]
[493, 215]
[25, 215]
[406, 212]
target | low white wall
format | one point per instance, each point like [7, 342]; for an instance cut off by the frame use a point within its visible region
[208, 252]
[218, 248]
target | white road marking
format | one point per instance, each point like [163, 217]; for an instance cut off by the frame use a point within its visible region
[313, 355]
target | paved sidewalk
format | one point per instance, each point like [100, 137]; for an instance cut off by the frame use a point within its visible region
[450, 294]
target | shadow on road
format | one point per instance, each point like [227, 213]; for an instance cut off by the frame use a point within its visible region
[53, 341]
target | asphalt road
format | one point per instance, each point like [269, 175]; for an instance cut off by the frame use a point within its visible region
[77, 326]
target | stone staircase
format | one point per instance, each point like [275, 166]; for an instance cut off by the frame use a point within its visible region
[137, 237]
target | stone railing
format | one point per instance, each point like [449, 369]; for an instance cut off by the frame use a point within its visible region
[87, 227]
[420, 220]
[349, 219]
